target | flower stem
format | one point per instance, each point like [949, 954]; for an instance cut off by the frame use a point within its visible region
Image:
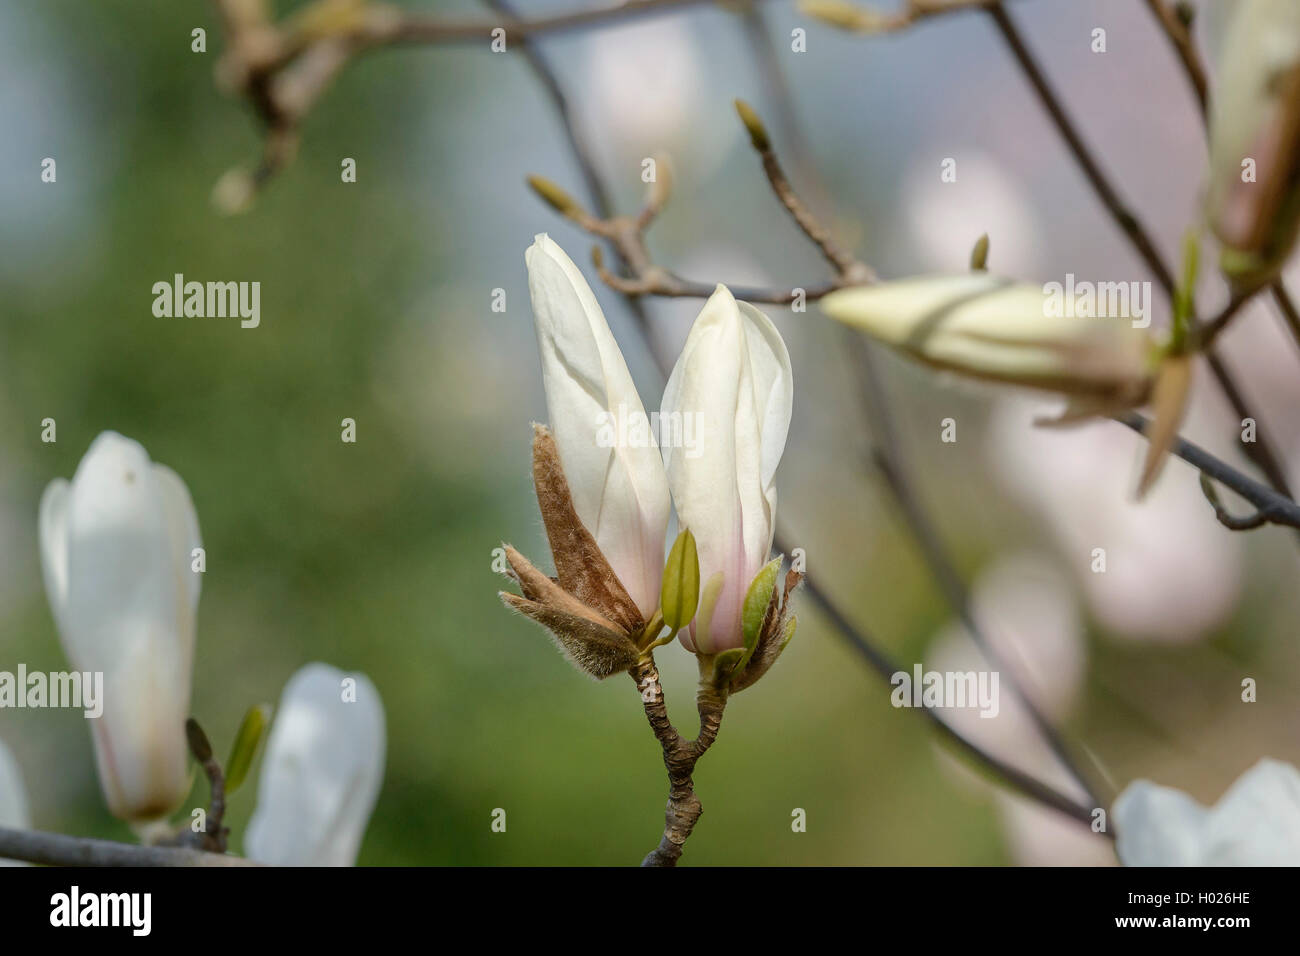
[680, 756]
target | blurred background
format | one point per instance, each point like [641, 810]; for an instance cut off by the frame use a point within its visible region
[376, 305]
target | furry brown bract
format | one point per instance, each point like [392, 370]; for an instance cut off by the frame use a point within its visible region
[598, 626]
[585, 607]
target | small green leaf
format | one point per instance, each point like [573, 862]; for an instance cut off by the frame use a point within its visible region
[726, 662]
[979, 256]
[680, 594]
[245, 746]
[757, 598]
[1183, 294]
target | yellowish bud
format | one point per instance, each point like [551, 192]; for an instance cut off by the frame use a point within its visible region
[1253, 201]
[992, 328]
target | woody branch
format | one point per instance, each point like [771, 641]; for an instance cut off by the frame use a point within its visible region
[680, 755]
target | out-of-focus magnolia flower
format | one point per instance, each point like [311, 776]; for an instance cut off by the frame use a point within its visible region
[116, 546]
[990, 198]
[609, 451]
[321, 773]
[1162, 570]
[641, 81]
[733, 379]
[13, 797]
[1028, 613]
[1254, 193]
[991, 328]
[1256, 823]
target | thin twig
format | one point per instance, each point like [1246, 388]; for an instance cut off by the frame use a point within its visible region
[1230, 521]
[680, 756]
[1209, 331]
[1119, 211]
[888, 456]
[1276, 507]
[55, 849]
[867, 649]
[1179, 33]
[1180, 36]
[1259, 451]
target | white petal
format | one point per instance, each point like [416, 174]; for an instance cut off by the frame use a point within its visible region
[321, 774]
[733, 380]
[14, 812]
[1250, 116]
[1157, 826]
[769, 386]
[54, 545]
[182, 530]
[992, 328]
[1256, 823]
[619, 490]
[128, 612]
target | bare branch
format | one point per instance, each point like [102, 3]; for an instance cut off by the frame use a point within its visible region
[680, 756]
[1275, 508]
[1179, 31]
[55, 849]
[1260, 451]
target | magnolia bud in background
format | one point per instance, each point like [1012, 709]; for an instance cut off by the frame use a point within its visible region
[990, 328]
[733, 380]
[116, 547]
[13, 797]
[321, 773]
[1254, 191]
[1256, 823]
[609, 452]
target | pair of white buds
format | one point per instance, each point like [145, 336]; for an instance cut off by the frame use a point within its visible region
[118, 551]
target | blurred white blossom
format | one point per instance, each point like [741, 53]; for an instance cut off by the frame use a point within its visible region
[14, 812]
[642, 82]
[116, 546]
[321, 773]
[945, 218]
[1256, 823]
[1027, 612]
[1172, 573]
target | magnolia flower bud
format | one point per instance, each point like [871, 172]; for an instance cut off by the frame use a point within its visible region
[1254, 195]
[991, 328]
[116, 548]
[733, 380]
[321, 773]
[1256, 823]
[608, 449]
[13, 797]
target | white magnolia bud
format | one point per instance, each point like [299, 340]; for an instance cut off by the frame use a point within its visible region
[1253, 201]
[321, 773]
[988, 327]
[734, 380]
[609, 451]
[115, 550]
